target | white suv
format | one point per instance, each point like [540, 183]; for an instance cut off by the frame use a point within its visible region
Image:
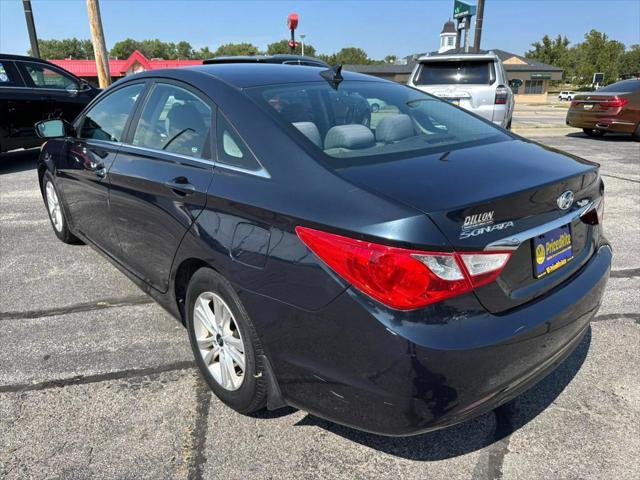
[474, 81]
[566, 95]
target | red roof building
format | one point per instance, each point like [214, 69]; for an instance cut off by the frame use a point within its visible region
[137, 62]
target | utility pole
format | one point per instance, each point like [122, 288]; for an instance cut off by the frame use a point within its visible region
[33, 38]
[99, 47]
[478, 32]
[302, 35]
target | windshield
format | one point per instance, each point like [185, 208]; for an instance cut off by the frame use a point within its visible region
[455, 72]
[623, 86]
[360, 120]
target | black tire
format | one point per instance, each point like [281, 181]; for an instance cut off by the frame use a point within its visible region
[375, 107]
[251, 395]
[592, 132]
[508, 127]
[62, 231]
[636, 134]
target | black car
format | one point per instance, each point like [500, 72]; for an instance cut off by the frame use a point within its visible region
[32, 90]
[277, 58]
[396, 271]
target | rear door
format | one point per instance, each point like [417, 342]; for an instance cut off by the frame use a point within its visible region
[160, 178]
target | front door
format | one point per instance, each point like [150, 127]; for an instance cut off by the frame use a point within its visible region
[84, 176]
[160, 178]
[20, 109]
[60, 94]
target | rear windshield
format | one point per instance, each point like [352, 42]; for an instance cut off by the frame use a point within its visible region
[366, 120]
[623, 86]
[455, 72]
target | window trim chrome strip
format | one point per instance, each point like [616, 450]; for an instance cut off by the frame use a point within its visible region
[512, 242]
[259, 173]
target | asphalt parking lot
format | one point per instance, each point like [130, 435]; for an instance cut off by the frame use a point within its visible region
[96, 380]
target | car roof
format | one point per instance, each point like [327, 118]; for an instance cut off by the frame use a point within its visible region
[10, 56]
[278, 58]
[244, 75]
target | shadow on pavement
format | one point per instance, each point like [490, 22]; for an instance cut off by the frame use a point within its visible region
[18, 161]
[609, 137]
[474, 434]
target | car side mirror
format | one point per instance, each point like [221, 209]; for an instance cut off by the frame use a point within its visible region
[515, 84]
[53, 129]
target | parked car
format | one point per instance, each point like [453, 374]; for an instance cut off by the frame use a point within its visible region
[474, 81]
[566, 95]
[614, 108]
[32, 90]
[376, 104]
[278, 58]
[396, 279]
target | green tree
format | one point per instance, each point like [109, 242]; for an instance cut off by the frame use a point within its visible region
[555, 52]
[203, 54]
[630, 62]
[155, 48]
[184, 50]
[236, 49]
[390, 59]
[66, 48]
[124, 48]
[598, 54]
[282, 46]
[351, 56]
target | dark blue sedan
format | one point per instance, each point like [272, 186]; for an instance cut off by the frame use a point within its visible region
[396, 270]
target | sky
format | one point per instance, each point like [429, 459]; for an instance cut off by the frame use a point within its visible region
[379, 27]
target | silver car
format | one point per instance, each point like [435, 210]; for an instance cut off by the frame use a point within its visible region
[474, 81]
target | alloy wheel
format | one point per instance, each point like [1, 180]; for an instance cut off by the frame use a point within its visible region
[219, 340]
[53, 205]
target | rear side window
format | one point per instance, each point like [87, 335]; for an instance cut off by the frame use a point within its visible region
[456, 72]
[175, 120]
[107, 118]
[8, 75]
[45, 77]
[232, 150]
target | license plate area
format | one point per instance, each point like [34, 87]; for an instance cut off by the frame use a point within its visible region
[552, 250]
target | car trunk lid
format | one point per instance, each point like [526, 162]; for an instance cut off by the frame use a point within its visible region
[481, 195]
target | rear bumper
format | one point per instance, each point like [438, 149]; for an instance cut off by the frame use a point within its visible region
[611, 124]
[404, 373]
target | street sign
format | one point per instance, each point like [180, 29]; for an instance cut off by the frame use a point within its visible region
[541, 76]
[292, 21]
[461, 9]
[598, 78]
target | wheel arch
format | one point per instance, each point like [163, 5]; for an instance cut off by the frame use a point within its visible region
[182, 277]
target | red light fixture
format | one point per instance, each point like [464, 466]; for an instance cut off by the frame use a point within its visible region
[401, 278]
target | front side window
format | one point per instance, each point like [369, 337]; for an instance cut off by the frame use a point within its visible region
[467, 72]
[45, 77]
[107, 118]
[176, 121]
[370, 121]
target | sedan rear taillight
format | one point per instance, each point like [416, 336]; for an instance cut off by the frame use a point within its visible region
[595, 215]
[614, 102]
[400, 278]
[502, 93]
